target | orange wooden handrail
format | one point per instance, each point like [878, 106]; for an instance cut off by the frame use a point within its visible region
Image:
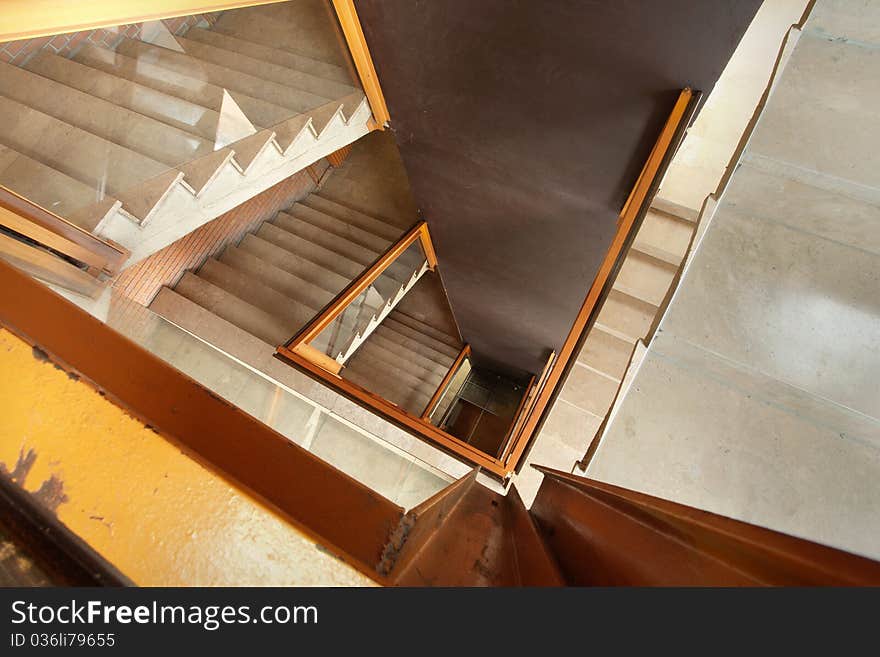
[300, 342]
[438, 393]
[35, 222]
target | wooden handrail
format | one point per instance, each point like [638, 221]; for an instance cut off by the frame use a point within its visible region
[447, 378]
[396, 414]
[363, 61]
[419, 232]
[515, 443]
[43, 226]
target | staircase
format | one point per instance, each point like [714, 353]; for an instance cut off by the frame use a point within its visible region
[404, 361]
[278, 277]
[638, 295]
[144, 143]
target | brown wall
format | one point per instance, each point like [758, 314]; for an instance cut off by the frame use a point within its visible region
[523, 126]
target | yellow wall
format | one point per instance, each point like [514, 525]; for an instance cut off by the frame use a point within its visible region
[155, 513]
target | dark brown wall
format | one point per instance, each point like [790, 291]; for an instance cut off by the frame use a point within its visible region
[523, 125]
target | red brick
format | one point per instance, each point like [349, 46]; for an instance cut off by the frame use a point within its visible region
[12, 47]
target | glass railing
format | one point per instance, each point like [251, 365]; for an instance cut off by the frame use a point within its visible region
[344, 334]
[336, 333]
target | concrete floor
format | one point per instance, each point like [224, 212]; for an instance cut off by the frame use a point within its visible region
[758, 399]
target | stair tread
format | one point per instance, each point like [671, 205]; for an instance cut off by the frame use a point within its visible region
[353, 217]
[606, 352]
[304, 32]
[426, 361]
[194, 87]
[414, 343]
[296, 100]
[382, 383]
[626, 316]
[233, 309]
[77, 153]
[340, 227]
[665, 235]
[307, 249]
[119, 125]
[267, 53]
[405, 374]
[219, 332]
[392, 323]
[344, 246]
[174, 111]
[297, 265]
[266, 70]
[645, 277]
[47, 187]
[424, 373]
[427, 329]
[312, 296]
[286, 310]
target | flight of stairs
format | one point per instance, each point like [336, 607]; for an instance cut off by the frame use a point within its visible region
[636, 298]
[278, 277]
[627, 316]
[145, 143]
[403, 360]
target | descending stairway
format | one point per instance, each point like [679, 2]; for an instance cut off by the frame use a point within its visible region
[145, 143]
[278, 277]
[404, 361]
[627, 316]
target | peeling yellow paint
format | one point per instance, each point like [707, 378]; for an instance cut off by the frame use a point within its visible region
[155, 513]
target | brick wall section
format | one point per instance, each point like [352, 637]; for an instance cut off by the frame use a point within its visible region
[143, 281]
[18, 52]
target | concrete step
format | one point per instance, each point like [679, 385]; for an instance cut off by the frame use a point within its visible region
[49, 188]
[393, 322]
[423, 369]
[307, 249]
[326, 239]
[626, 317]
[271, 55]
[353, 217]
[674, 209]
[92, 160]
[306, 293]
[340, 228]
[296, 265]
[159, 141]
[606, 352]
[288, 77]
[589, 390]
[303, 28]
[385, 383]
[645, 277]
[414, 342]
[194, 88]
[427, 329]
[233, 309]
[169, 109]
[293, 99]
[220, 333]
[383, 339]
[404, 374]
[286, 310]
[664, 236]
